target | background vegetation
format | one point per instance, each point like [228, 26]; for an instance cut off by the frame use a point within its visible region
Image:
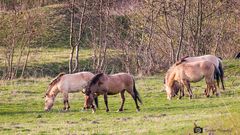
[140, 37]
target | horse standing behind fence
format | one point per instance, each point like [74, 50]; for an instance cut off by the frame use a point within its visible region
[66, 83]
[105, 85]
[186, 72]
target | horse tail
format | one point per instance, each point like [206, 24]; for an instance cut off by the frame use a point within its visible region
[54, 81]
[220, 68]
[217, 75]
[136, 94]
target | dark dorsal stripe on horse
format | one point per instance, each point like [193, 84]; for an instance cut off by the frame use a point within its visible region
[95, 79]
[54, 81]
[181, 60]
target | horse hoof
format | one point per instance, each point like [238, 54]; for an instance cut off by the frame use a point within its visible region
[120, 110]
[217, 94]
[107, 110]
[138, 109]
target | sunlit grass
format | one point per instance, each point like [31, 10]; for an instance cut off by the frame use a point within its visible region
[22, 112]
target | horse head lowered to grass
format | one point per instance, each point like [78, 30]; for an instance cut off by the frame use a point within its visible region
[103, 84]
[66, 83]
[186, 72]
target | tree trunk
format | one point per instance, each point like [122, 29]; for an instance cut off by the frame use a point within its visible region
[76, 67]
[199, 30]
[26, 61]
[106, 39]
[182, 32]
[170, 36]
[70, 66]
[100, 39]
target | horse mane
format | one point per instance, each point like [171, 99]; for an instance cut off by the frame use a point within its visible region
[170, 80]
[168, 74]
[220, 58]
[181, 60]
[95, 79]
[54, 81]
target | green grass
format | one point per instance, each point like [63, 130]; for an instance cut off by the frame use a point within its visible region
[21, 110]
[49, 61]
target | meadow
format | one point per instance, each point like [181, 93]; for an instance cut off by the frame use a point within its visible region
[22, 102]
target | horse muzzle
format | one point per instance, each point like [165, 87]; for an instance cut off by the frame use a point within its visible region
[46, 109]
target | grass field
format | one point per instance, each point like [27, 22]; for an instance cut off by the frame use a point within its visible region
[21, 110]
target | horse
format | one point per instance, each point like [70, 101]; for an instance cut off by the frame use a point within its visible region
[66, 83]
[186, 72]
[217, 61]
[103, 84]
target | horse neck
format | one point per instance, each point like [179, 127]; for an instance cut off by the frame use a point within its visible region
[170, 79]
[54, 91]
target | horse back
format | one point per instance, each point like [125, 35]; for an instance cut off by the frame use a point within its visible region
[120, 81]
[211, 58]
[195, 71]
[74, 82]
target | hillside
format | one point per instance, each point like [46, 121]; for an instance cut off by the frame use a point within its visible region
[117, 38]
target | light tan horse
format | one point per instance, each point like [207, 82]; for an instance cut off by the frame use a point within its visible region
[66, 83]
[217, 61]
[186, 72]
[211, 58]
[105, 85]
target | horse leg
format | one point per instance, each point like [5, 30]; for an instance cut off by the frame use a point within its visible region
[181, 91]
[135, 99]
[65, 102]
[207, 90]
[215, 89]
[106, 102]
[123, 100]
[187, 84]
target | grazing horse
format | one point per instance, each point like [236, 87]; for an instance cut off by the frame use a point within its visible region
[66, 83]
[184, 73]
[211, 58]
[102, 84]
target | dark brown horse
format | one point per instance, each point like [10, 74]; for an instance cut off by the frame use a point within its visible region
[102, 84]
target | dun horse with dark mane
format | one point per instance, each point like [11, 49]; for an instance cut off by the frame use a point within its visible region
[217, 61]
[186, 72]
[102, 84]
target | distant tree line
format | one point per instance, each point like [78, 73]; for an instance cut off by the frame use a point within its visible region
[137, 36]
[151, 35]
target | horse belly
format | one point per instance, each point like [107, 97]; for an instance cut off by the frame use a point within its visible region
[76, 88]
[71, 87]
[194, 76]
